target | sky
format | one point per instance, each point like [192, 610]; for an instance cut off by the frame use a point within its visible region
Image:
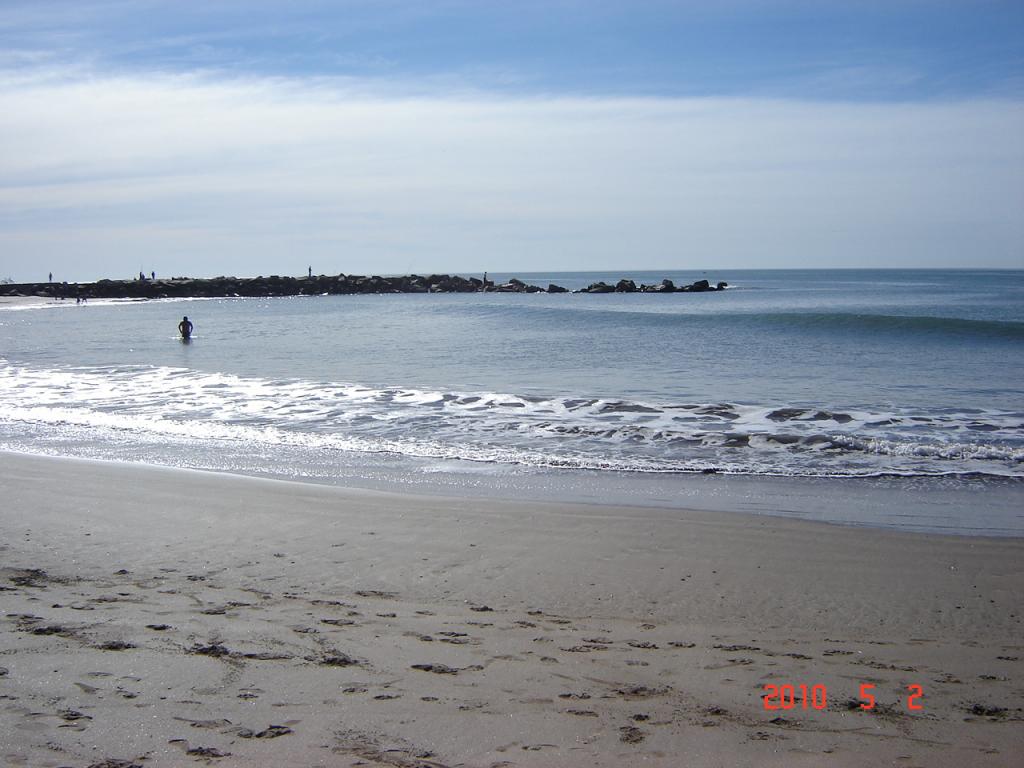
[225, 137]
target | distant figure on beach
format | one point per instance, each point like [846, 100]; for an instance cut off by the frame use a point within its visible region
[185, 328]
[51, 277]
[310, 271]
[153, 274]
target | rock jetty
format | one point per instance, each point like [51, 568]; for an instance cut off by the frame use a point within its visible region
[316, 285]
[665, 286]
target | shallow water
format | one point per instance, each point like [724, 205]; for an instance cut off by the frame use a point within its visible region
[814, 374]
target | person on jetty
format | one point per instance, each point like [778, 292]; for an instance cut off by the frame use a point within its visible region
[185, 328]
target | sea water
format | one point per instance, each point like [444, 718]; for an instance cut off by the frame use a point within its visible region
[880, 397]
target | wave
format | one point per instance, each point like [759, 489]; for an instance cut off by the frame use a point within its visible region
[665, 313]
[907, 324]
[147, 404]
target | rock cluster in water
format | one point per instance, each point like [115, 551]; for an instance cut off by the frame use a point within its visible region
[665, 286]
[275, 285]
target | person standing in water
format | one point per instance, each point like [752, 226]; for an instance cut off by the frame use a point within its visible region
[185, 327]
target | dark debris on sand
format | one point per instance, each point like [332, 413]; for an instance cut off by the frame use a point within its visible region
[265, 656]
[641, 692]
[376, 593]
[206, 752]
[115, 645]
[439, 669]
[72, 715]
[986, 710]
[630, 734]
[213, 649]
[31, 577]
[270, 732]
[338, 660]
[52, 629]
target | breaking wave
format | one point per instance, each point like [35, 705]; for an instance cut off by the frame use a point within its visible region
[201, 411]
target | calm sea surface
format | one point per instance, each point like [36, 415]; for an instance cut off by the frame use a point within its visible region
[880, 384]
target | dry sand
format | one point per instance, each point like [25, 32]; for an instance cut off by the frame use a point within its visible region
[169, 618]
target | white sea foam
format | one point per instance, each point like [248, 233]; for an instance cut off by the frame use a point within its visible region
[203, 409]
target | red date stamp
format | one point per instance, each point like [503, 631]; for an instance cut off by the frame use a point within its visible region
[787, 696]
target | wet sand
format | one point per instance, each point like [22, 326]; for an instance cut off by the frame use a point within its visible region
[163, 618]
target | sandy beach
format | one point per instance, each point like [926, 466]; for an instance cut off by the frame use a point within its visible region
[164, 617]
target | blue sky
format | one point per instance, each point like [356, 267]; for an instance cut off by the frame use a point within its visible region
[394, 136]
[868, 50]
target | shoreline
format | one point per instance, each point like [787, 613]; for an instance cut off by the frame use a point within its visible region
[915, 504]
[491, 390]
[560, 634]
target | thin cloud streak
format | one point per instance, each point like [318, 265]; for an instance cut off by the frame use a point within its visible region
[268, 175]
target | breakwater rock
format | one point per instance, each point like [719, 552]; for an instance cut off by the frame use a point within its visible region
[314, 285]
[665, 286]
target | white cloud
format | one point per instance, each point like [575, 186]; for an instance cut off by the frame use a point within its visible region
[264, 175]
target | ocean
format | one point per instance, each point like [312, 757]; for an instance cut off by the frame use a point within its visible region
[874, 397]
